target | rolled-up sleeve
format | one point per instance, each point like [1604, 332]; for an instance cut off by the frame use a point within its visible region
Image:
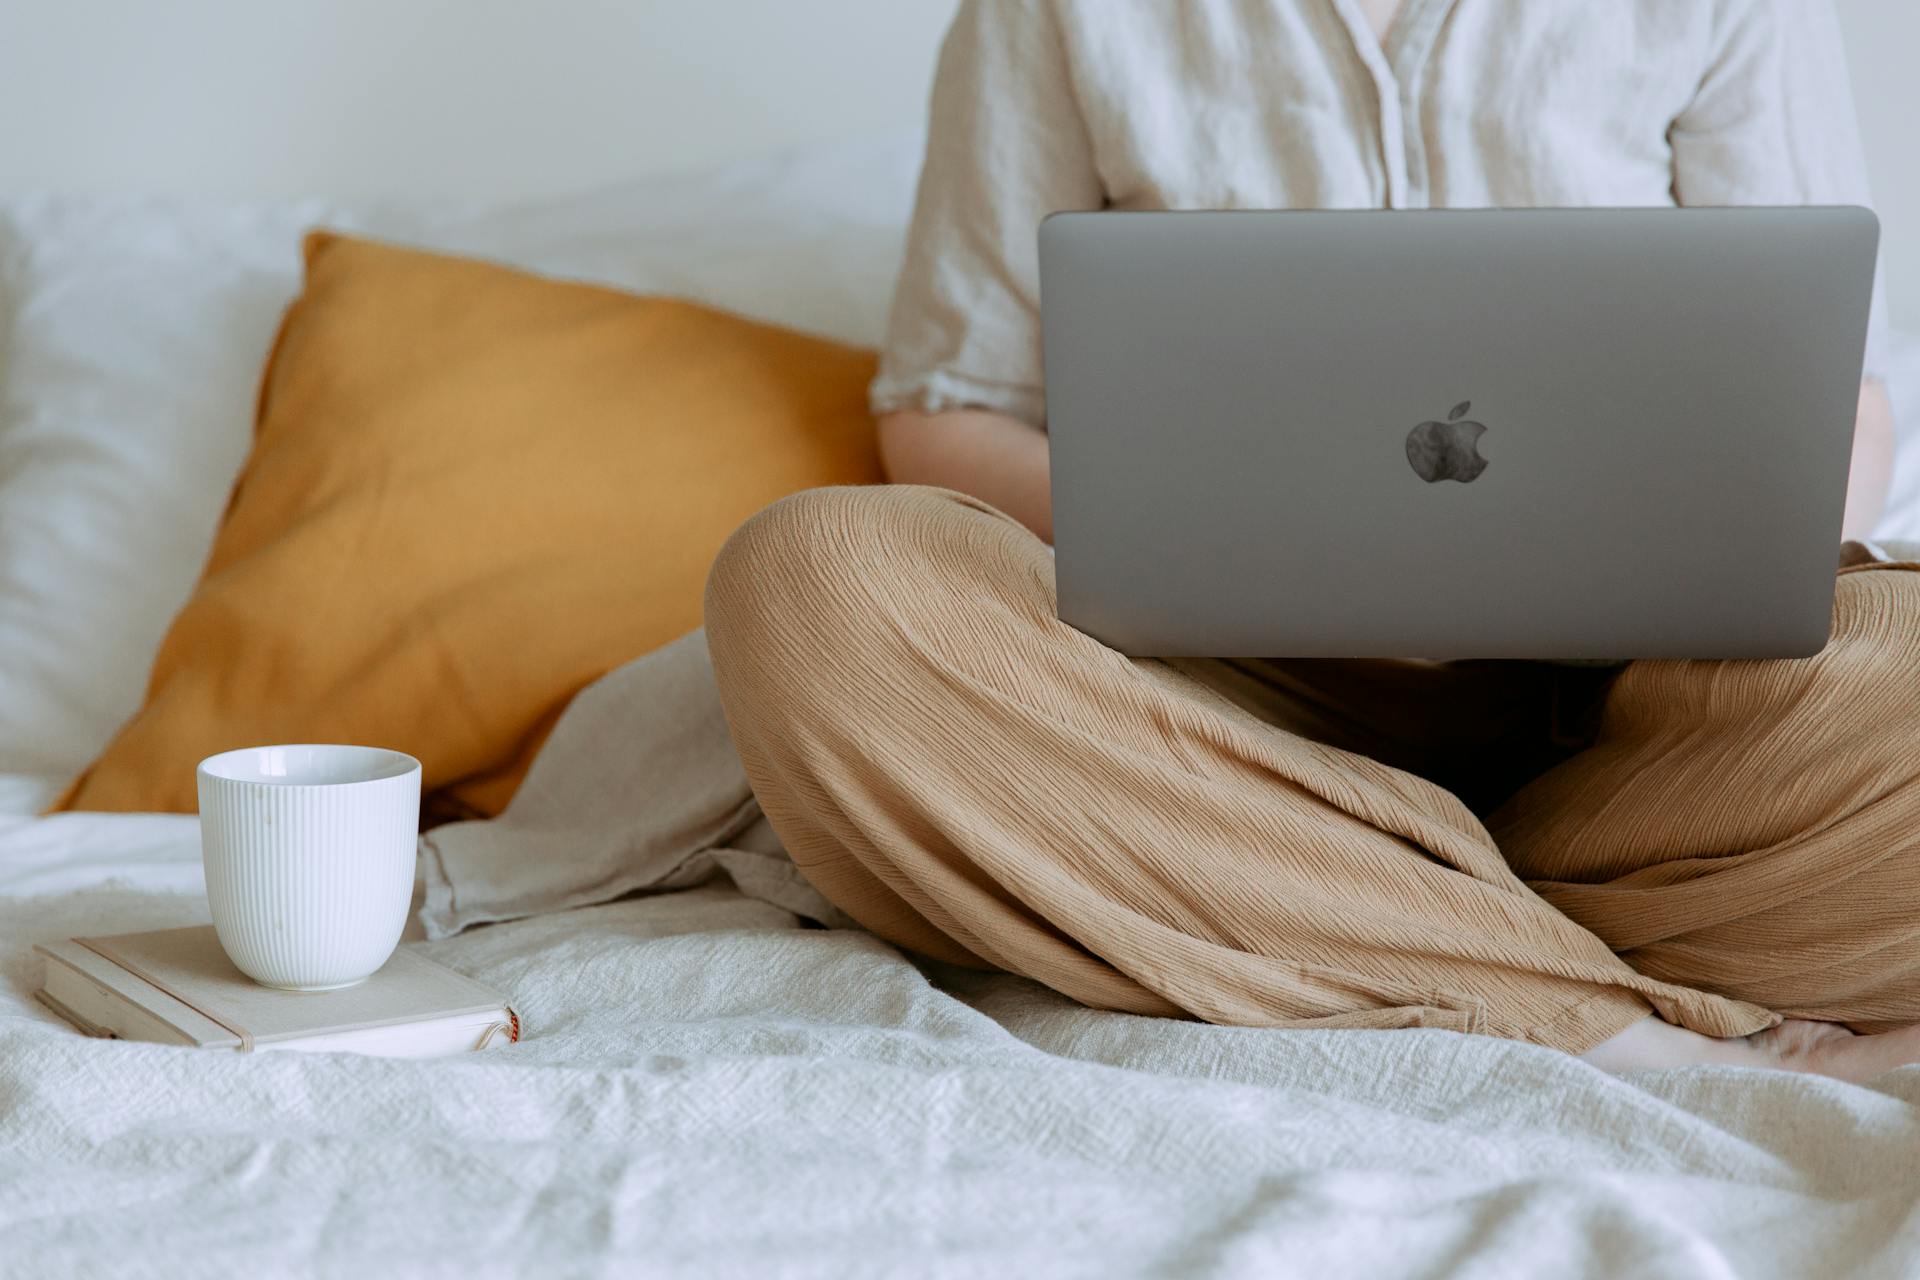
[1006, 146]
[1774, 122]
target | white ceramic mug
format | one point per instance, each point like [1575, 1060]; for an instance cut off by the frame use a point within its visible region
[309, 853]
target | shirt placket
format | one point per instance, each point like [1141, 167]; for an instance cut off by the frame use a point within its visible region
[1409, 56]
[1398, 76]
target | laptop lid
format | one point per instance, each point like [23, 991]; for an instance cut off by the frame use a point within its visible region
[1454, 434]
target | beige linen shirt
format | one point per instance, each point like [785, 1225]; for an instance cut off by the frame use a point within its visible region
[1043, 105]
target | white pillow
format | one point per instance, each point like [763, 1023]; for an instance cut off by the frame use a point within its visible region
[132, 334]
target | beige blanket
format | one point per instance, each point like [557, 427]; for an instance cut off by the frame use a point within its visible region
[638, 788]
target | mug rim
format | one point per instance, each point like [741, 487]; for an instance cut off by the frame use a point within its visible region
[383, 764]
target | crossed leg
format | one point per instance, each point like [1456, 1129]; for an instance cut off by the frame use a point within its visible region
[1753, 829]
[973, 780]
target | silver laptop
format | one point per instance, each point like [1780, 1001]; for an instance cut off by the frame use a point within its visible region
[1486, 434]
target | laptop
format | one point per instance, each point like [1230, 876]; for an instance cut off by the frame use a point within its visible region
[1558, 434]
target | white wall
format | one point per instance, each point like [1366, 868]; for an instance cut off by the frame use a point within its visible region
[495, 98]
[440, 98]
[1883, 37]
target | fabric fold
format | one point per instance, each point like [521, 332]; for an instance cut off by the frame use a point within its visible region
[638, 788]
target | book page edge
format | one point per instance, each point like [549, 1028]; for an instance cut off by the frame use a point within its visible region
[194, 1027]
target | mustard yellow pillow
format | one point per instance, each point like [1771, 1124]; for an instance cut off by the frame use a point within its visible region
[472, 492]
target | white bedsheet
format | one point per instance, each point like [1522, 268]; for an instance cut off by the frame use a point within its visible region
[706, 1088]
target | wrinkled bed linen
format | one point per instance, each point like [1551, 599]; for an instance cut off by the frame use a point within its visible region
[707, 1087]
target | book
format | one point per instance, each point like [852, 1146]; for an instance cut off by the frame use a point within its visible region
[177, 986]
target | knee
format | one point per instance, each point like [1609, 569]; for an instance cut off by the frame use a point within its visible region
[759, 565]
[822, 549]
[1852, 711]
[802, 553]
[773, 578]
[1873, 656]
[837, 572]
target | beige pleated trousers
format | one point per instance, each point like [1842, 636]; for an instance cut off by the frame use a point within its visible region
[1287, 844]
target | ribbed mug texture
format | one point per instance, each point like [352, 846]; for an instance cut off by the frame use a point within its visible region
[309, 883]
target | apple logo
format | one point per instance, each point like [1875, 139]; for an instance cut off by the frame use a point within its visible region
[1447, 450]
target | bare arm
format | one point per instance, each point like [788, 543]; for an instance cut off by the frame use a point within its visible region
[998, 459]
[1872, 461]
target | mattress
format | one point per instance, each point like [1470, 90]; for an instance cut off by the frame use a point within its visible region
[705, 1086]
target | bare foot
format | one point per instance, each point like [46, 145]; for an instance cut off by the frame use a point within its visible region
[1814, 1048]
[1829, 1049]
